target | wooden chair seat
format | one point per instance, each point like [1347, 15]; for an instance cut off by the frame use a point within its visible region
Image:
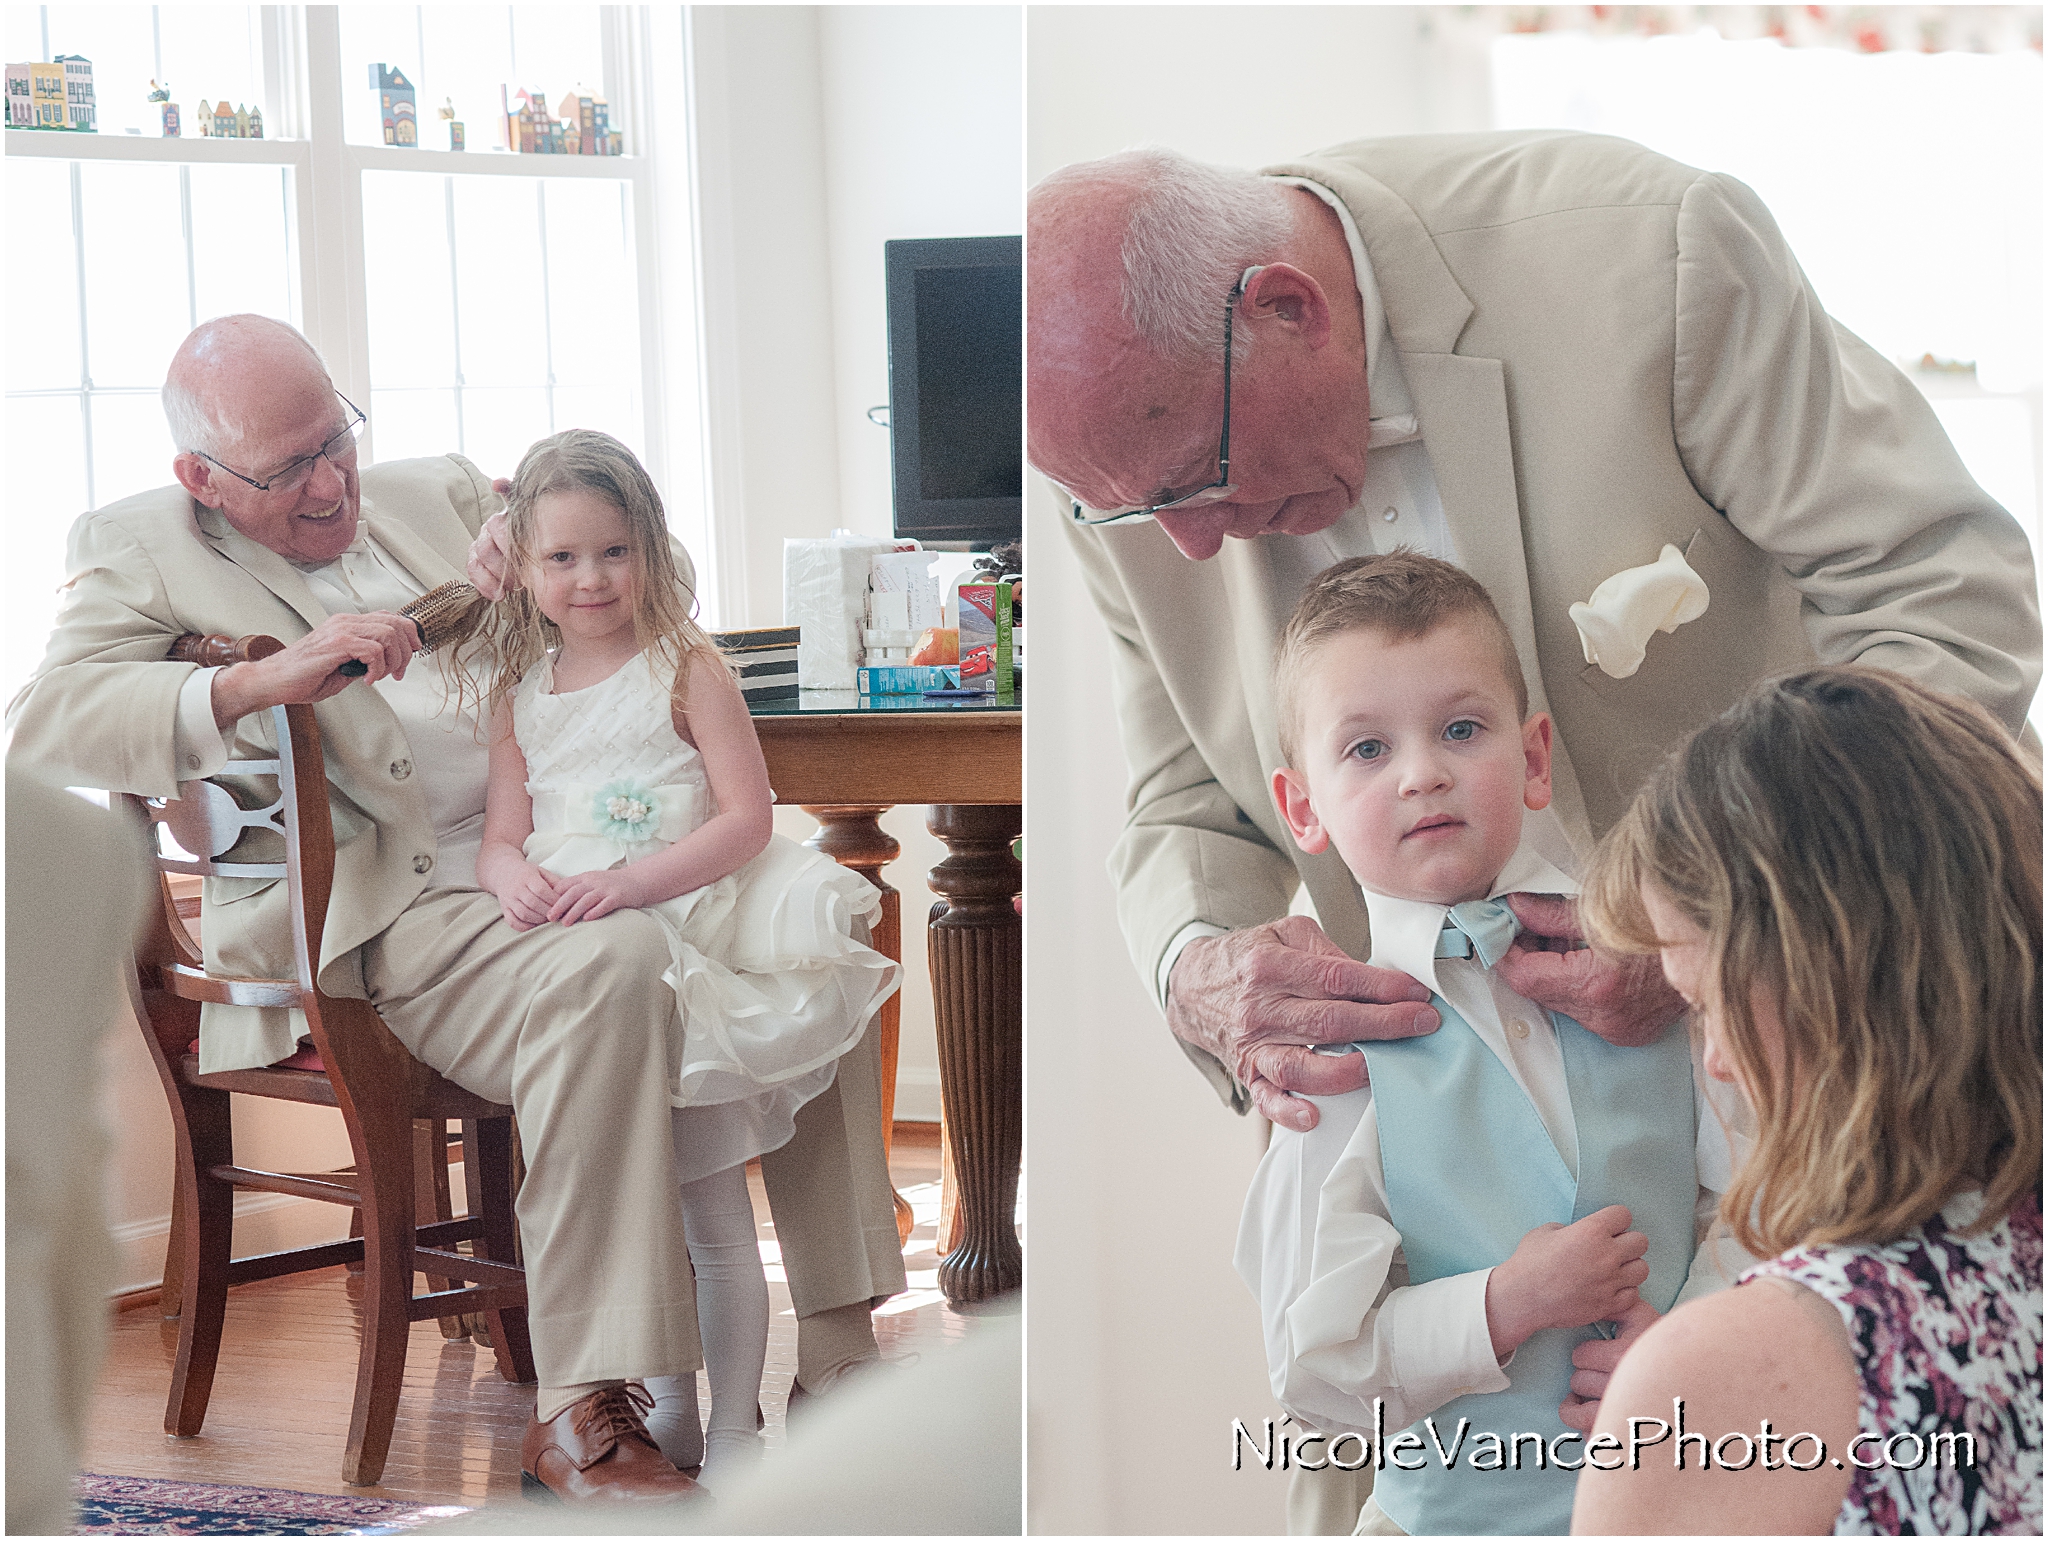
[389, 1102]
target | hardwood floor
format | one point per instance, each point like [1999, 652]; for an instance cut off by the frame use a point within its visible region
[281, 1397]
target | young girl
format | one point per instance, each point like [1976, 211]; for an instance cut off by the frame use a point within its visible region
[625, 773]
[1842, 875]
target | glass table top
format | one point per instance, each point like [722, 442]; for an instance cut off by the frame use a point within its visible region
[823, 703]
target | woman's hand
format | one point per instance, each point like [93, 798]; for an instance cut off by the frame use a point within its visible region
[1566, 1276]
[1594, 1362]
[527, 896]
[591, 895]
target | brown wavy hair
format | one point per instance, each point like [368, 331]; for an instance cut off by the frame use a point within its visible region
[516, 635]
[1866, 853]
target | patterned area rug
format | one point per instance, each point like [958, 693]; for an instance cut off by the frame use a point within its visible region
[152, 1506]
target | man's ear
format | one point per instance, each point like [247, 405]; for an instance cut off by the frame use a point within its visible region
[1280, 292]
[1536, 760]
[1290, 792]
[196, 477]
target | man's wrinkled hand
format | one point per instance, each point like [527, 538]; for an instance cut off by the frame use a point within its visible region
[490, 556]
[1258, 999]
[309, 669]
[1624, 1000]
[1594, 1362]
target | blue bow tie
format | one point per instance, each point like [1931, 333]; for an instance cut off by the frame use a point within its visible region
[1484, 926]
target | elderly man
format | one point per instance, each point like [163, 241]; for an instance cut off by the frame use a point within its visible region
[272, 529]
[1544, 356]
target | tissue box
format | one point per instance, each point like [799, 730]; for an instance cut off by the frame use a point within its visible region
[985, 654]
[824, 592]
[764, 658]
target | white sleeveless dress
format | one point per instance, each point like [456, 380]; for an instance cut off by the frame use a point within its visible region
[772, 986]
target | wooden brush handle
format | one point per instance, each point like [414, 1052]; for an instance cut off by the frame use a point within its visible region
[217, 651]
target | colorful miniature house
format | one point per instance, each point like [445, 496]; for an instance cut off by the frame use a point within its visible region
[601, 126]
[80, 110]
[396, 98]
[523, 119]
[241, 121]
[46, 90]
[21, 106]
[255, 123]
[172, 127]
[224, 121]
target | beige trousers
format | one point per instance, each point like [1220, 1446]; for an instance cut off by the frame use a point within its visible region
[1326, 1502]
[574, 1027]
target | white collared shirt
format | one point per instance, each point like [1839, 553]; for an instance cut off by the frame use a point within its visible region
[1318, 1247]
[448, 750]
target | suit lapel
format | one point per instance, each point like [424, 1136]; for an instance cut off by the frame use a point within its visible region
[261, 563]
[409, 549]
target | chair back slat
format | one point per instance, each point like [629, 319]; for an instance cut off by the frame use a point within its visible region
[193, 984]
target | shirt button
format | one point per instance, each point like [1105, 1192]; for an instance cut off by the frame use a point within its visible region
[1519, 1028]
[1390, 516]
[192, 762]
[400, 769]
[423, 864]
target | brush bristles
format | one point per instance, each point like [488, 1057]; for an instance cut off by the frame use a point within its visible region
[447, 615]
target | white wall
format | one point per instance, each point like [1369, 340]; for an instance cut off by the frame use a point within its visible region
[1143, 1343]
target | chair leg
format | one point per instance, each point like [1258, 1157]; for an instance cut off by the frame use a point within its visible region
[487, 1173]
[208, 1245]
[430, 1197]
[170, 1297]
[385, 1170]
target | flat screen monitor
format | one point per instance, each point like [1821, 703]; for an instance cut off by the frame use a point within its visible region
[956, 388]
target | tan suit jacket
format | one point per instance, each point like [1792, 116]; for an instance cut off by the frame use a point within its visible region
[101, 709]
[1607, 351]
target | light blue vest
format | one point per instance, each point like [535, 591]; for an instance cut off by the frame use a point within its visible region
[1470, 1170]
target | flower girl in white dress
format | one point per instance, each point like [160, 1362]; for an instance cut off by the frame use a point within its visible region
[625, 773]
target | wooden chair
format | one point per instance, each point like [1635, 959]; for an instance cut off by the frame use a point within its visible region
[378, 1087]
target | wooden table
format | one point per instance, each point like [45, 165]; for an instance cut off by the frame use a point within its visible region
[846, 760]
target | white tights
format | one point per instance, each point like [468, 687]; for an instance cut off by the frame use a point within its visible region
[732, 1318]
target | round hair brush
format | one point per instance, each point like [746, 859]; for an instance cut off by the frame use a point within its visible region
[444, 617]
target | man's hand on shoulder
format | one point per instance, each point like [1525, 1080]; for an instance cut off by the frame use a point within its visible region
[1257, 999]
[1624, 1000]
[309, 669]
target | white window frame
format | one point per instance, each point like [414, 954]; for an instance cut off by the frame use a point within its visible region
[303, 90]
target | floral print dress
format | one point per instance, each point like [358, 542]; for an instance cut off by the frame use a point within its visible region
[1947, 1334]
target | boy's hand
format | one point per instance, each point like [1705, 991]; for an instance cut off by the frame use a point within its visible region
[1594, 1362]
[528, 897]
[589, 895]
[1257, 998]
[1566, 1276]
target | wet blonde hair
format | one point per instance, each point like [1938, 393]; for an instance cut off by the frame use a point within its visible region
[516, 635]
[1866, 853]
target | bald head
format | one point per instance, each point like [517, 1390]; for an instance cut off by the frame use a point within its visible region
[1133, 260]
[224, 366]
[249, 401]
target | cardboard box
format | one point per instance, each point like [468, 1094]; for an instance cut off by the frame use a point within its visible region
[985, 654]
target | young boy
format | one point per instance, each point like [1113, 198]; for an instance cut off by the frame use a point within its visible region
[1509, 1184]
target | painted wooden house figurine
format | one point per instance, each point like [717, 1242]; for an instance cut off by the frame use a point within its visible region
[80, 109]
[46, 91]
[21, 106]
[224, 121]
[401, 113]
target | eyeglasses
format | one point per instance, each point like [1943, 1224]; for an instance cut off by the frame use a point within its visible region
[337, 451]
[1215, 491]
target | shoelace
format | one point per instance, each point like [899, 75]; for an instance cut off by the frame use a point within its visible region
[615, 1413]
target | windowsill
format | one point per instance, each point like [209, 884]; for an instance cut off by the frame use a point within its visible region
[52, 145]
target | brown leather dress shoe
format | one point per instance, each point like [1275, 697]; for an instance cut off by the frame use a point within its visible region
[598, 1451]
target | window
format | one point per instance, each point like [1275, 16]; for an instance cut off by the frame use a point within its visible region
[471, 301]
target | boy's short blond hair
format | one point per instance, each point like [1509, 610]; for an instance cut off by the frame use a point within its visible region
[1403, 595]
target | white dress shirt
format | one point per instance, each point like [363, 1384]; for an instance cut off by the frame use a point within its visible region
[1342, 1322]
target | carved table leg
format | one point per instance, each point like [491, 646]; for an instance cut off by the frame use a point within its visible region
[977, 954]
[854, 837]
